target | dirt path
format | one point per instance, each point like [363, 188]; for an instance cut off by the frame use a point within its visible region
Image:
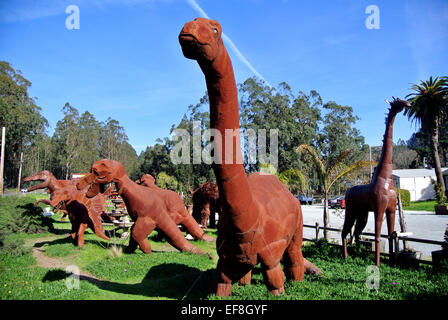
[45, 261]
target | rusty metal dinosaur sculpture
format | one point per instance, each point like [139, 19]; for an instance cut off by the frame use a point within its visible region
[65, 196]
[261, 220]
[206, 203]
[175, 208]
[379, 195]
[147, 212]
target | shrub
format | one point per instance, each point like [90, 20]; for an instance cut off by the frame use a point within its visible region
[440, 193]
[19, 215]
[405, 196]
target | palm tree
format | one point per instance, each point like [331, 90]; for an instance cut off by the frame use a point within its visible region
[429, 107]
[329, 172]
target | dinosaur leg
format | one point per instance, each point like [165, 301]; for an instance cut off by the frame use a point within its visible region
[361, 223]
[274, 279]
[230, 272]
[293, 261]
[175, 236]
[390, 216]
[193, 228]
[224, 287]
[132, 246]
[75, 227]
[140, 231]
[270, 266]
[82, 229]
[349, 221]
[379, 214]
[246, 278]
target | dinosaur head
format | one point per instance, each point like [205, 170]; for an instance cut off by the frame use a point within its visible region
[201, 40]
[397, 105]
[102, 172]
[44, 176]
[146, 180]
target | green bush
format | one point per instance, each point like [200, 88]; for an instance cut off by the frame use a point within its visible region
[405, 196]
[19, 215]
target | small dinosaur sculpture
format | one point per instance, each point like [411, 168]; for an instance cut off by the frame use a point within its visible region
[379, 195]
[148, 212]
[175, 207]
[63, 194]
[205, 202]
[261, 220]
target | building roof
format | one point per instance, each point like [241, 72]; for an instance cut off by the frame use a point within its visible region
[411, 173]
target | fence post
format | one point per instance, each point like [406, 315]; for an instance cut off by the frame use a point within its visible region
[401, 219]
[395, 248]
[317, 231]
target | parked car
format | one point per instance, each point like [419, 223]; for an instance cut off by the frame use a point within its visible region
[302, 199]
[341, 203]
[333, 202]
[305, 200]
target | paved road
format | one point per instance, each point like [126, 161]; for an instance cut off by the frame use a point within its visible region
[423, 224]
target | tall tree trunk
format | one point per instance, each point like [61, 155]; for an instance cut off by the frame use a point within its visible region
[435, 154]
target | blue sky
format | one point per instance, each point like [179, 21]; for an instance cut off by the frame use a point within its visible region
[125, 60]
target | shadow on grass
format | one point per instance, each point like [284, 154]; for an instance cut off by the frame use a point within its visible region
[171, 280]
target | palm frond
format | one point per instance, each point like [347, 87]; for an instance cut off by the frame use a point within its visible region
[311, 151]
[349, 169]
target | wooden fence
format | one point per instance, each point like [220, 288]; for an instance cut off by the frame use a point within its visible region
[397, 237]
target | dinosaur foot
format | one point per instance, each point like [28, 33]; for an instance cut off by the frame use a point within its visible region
[207, 238]
[224, 289]
[311, 268]
[278, 292]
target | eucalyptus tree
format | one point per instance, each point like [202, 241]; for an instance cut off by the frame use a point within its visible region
[22, 118]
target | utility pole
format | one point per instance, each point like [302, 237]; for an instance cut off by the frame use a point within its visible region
[20, 172]
[2, 161]
[370, 159]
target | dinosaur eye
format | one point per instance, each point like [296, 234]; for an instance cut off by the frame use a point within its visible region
[215, 30]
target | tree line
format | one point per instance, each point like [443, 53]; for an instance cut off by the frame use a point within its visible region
[301, 118]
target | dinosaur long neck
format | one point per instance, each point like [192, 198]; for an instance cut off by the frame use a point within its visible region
[384, 167]
[233, 186]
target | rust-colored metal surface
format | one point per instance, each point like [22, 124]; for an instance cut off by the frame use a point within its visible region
[66, 197]
[261, 221]
[175, 207]
[206, 203]
[379, 195]
[147, 211]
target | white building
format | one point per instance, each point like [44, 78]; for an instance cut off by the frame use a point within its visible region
[417, 182]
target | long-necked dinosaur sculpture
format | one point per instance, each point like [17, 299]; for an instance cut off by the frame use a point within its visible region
[206, 203]
[379, 195]
[81, 214]
[147, 212]
[261, 220]
[175, 207]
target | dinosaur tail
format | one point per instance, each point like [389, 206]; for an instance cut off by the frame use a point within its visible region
[193, 228]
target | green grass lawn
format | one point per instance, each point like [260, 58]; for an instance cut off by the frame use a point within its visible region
[421, 205]
[170, 274]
